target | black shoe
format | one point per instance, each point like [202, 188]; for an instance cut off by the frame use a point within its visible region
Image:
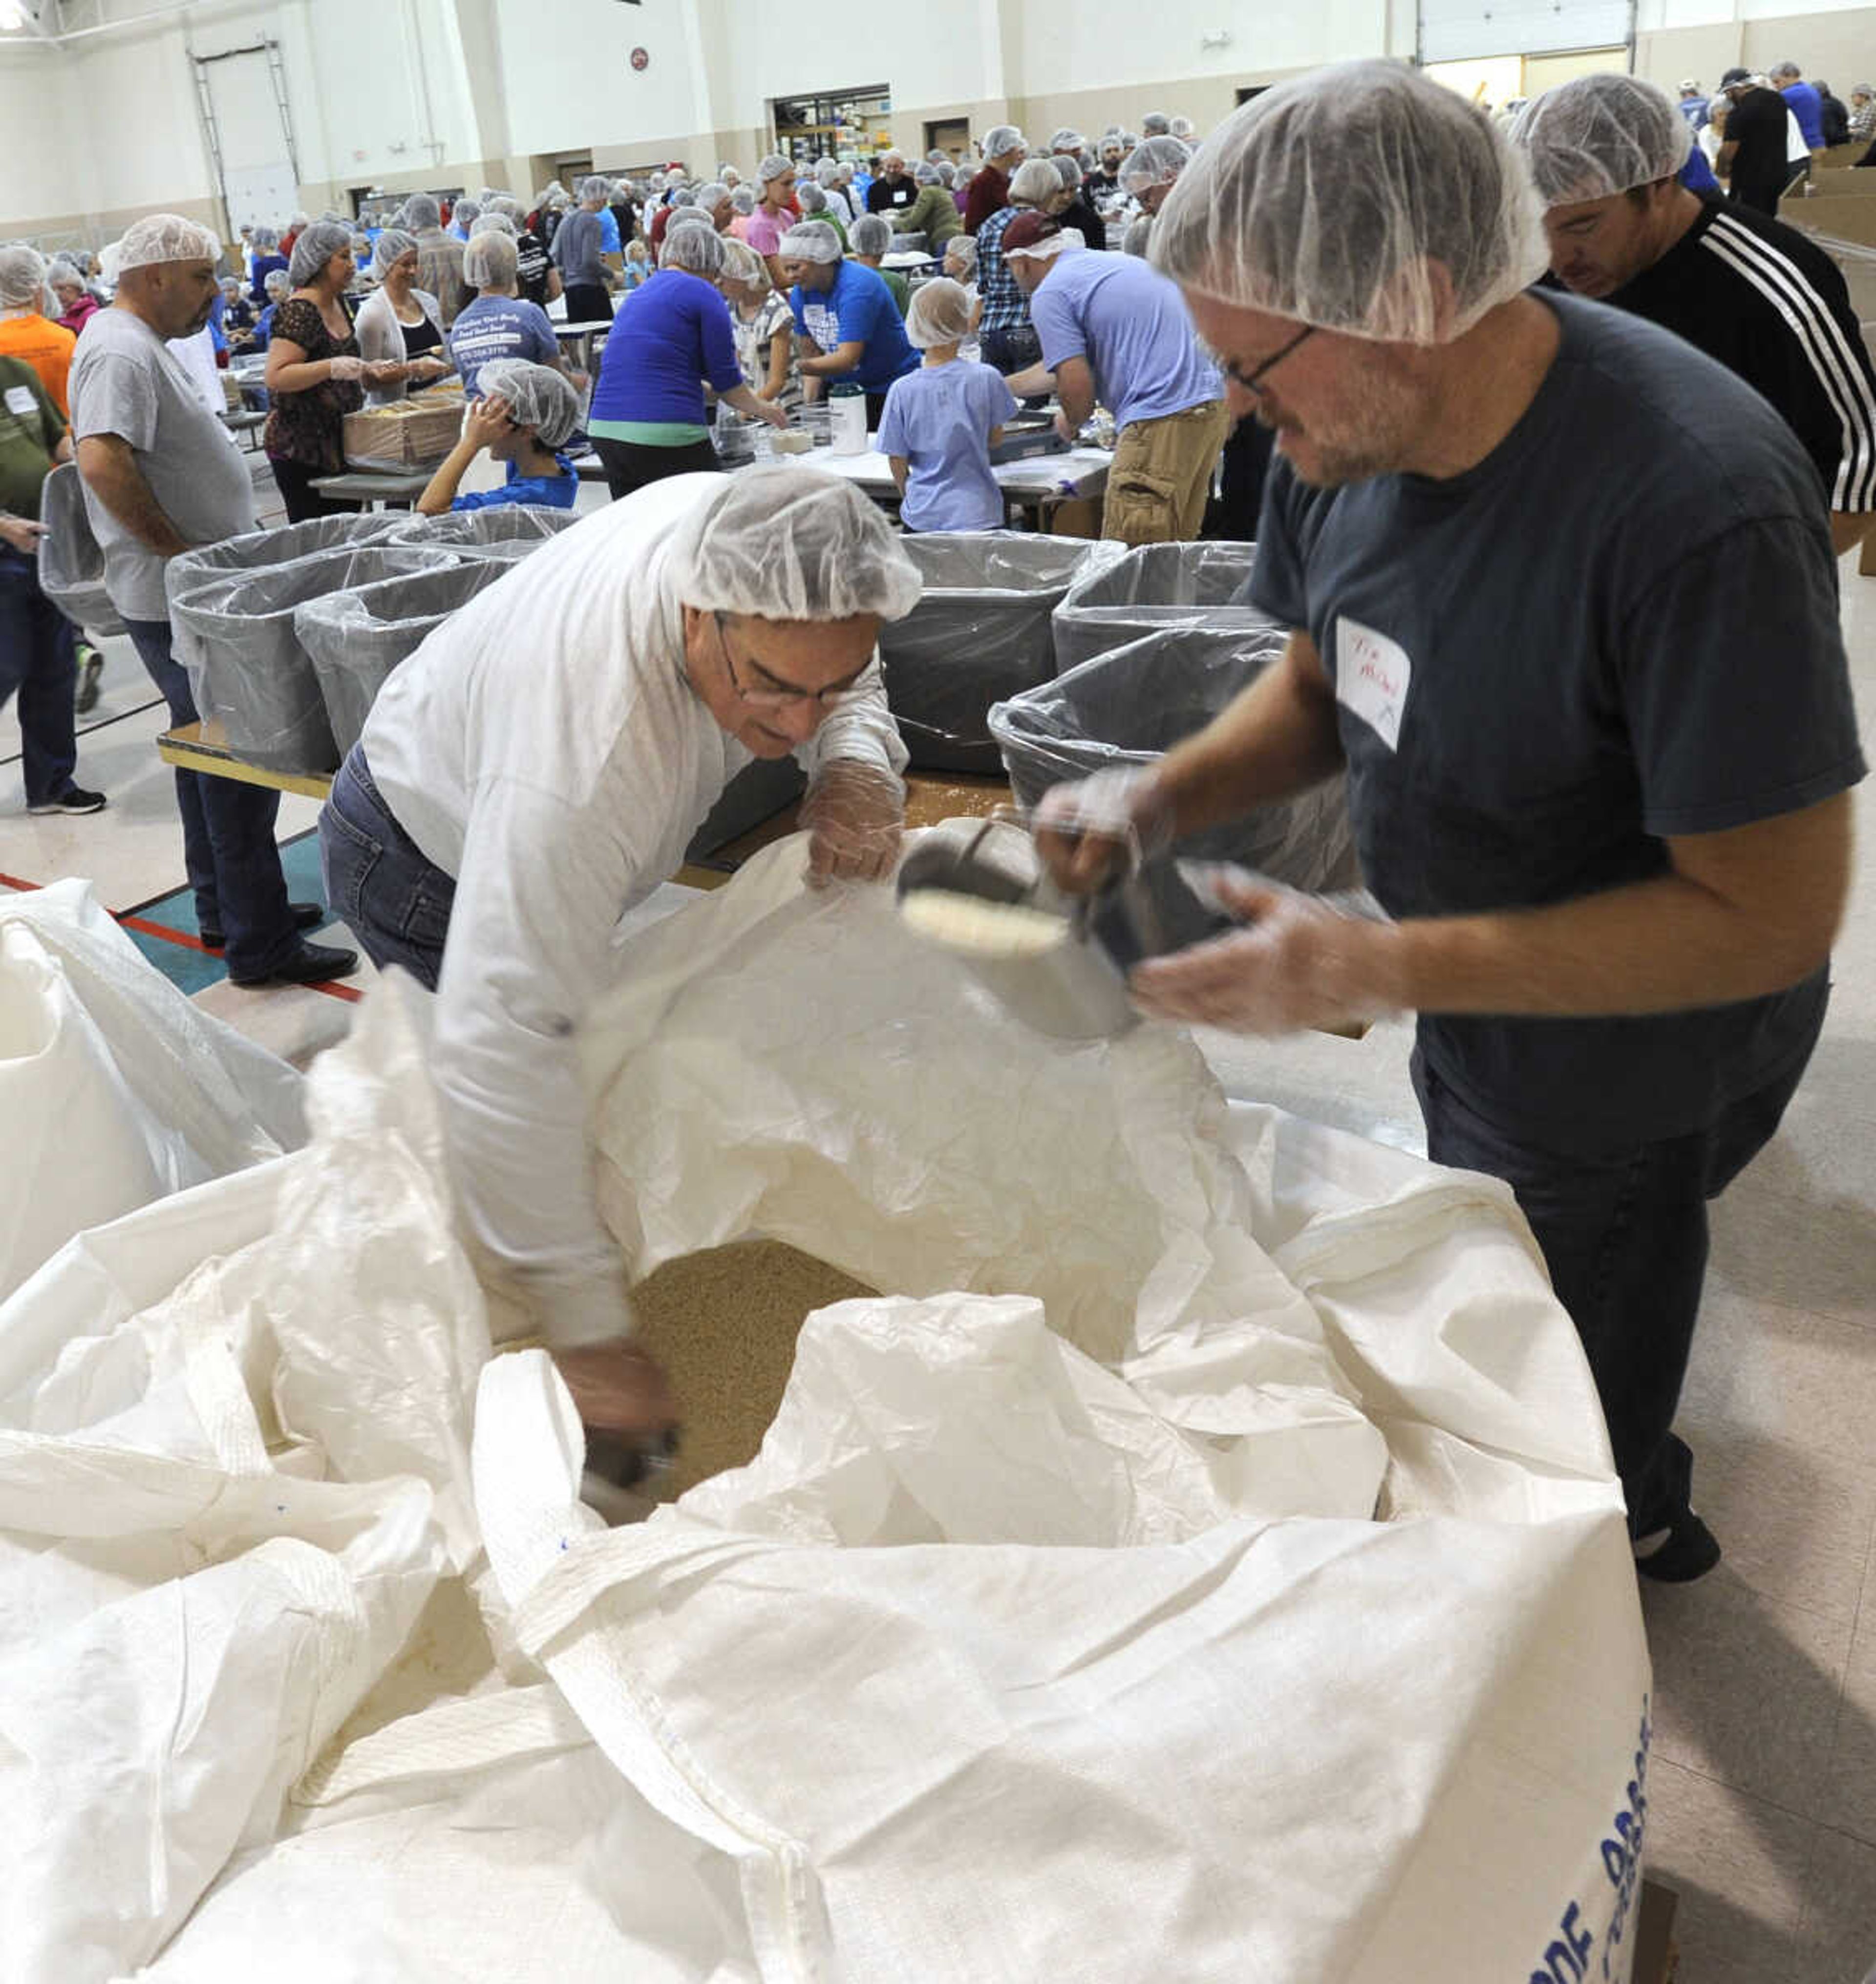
[312, 965]
[74, 799]
[1689, 1549]
[306, 916]
[91, 667]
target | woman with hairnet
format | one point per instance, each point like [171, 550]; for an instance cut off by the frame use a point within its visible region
[279, 287]
[316, 374]
[265, 259]
[26, 332]
[500, 324]
[1009, 338]
[763, 327]
[77, 306]
[934, 213]
[523, 417]
[540, 766]
[775, 212]
[1004, 150]
[579, 250]
[868, 239]
[941, 421]
[398, 324]
[848, 325]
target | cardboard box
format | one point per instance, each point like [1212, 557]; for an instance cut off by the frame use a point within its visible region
[411, 433]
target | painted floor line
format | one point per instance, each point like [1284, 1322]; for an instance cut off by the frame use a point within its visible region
[91, 729]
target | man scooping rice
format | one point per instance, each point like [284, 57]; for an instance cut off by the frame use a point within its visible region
[540, 765]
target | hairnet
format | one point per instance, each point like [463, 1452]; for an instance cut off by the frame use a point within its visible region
[827, 171]
[682, 198]
[1039, 239]
[869, 234]
[316, 247]
[59, 270]
[1034, 181]
[165, 237]
[728, 174]
[277, 284]
[497, 223]
[711, 195]
[698, 248]
[742, 199]
[1327, 199]
[962, 248]
[1002, 138]
[1598, 135]
[924, 174]
[947, 173]
[939, 313]
[466, 210]
[812, 198]
[1155, 162]
[593, 187]
[490, 260]
[1067, 169]
[1066, 139]
[537, 397]
[810, 241]
[773, 167]
[1156, 124]
[743, 266]
[788, 543]
[1863, 89]
[892, 152]
[1138, 238]
[1180, 127]
[1785, 68]
[393, 245]
[22, 274]
[503, 203]
[1690, 86]
[420, 211]
[267, 238]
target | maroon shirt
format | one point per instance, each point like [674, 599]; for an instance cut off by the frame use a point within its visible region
[989, 190]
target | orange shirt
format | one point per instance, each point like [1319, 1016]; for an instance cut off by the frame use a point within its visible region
[47, 347]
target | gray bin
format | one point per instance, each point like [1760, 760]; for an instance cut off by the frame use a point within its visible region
[1151, 588]
[70, 560]
[235, 635]
[509, 529]
[1131, 706]
[980, 632]
[354, 639]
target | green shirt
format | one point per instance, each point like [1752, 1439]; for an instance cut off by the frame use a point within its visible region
[901, 290]
[30, 429]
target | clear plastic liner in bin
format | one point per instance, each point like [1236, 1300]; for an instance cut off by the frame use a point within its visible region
[1149, 588]
[527, 526]
[980, 632]
[1131, 706]
[235, 634]
[259, 550]
[71, 559]
[355, 638]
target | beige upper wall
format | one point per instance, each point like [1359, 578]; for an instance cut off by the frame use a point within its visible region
[1840, 47]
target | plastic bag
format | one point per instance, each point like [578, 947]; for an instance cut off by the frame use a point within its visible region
[117, 1089]
[500, 524]
[235, 634]
[1131, 705]
[70, 560]
[1152, 588]
[356, 638]
[980, 632]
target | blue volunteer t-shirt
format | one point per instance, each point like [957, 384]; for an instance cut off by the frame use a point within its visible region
[1808, 107]
[859, 306]
[500, 327]
[673, 335]
[1130, 323]
[938, 420]
[553, 492]
[1546, 667]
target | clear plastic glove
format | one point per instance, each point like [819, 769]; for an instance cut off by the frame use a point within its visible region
[1300, 961]
[855, 815]
[347, 370]
[766, 409]
[429, 367]
[620, 1390]
[1102, 825]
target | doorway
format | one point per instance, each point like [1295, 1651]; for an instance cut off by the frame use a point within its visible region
[950, 136]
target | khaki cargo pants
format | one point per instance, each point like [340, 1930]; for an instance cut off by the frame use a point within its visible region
[1162, 475]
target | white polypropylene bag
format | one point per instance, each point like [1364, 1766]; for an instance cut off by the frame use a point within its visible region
[114, 1087]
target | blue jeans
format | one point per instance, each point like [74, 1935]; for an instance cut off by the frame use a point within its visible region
[228, 844]
[396, 900]
[1016, 351]
[1625, 1236]
[38, 658]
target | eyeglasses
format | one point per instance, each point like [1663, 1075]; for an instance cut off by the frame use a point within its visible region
[1253, 382]
[778, 698]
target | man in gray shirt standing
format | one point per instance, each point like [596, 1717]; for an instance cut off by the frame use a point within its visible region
[576, 250]
[439, 257]
[161, 475]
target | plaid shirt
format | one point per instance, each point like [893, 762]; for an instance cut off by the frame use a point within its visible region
[1005, 306]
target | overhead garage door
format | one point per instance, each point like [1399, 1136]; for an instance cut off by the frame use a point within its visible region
[1455, 30]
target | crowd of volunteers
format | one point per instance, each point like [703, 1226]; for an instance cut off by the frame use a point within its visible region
[1462, 375]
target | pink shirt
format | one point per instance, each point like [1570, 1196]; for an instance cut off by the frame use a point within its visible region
[765, 232]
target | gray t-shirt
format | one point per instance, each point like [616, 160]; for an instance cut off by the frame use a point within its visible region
[576, 247]
[125, 381]
[1594, 640]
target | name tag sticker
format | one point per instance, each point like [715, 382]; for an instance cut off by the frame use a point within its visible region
[19, 400]
[1372, 675]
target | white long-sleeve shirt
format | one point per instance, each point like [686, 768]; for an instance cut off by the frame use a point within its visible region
[544, 749]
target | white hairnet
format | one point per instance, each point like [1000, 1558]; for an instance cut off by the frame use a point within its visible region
[537, 397]
[743, 266]
[1034, 181]
[939, 313]
[1181, 127]
[61, 270]
[1329, 200]
[496, 223]
[742, 198]
[1066, 139]
[827, 172]
[1047, 248]
[962, 248]
[789, 543]
[317, 246]
[1155, 124]
[595, 188]
[869, 234]
[490, 260]
[1598, 135]
[810, 241]
[711, 195]
[947, 173]
[924, 174]
[812, 198]
[394, 245]
[22, 274]
[1155, 161]
[503, 203]
[1002, 138]
[277, 283]
[420, 211]
[1067, 169]
[465, 211]
[682, 198]
[698, 248]
[165, 237]
[773, 167]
